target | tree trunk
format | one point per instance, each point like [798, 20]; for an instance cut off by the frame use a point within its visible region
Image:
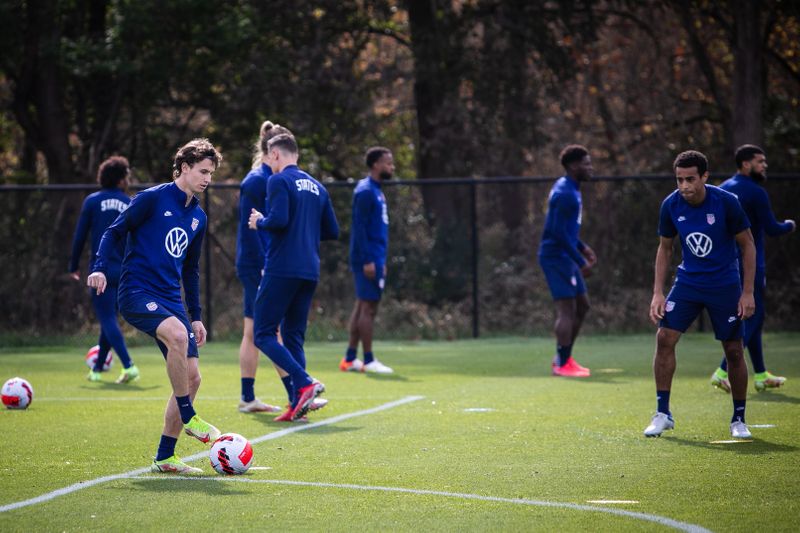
[749, 74]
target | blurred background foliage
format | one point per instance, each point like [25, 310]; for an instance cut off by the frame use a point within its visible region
[459, 88]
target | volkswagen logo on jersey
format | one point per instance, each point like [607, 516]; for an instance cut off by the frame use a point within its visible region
[699, 243]
[176, 242]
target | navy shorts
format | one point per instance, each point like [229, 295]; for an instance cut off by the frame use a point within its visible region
[146, 312]
[369, 289]
[684, 303]
[563, 277]
[250, 282]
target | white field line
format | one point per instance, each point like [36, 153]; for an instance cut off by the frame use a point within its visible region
[664, 521]
[164, 398]
[269, 436]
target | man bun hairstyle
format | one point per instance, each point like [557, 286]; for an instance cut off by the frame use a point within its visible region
[267, 132]
[572, 153]
[374, 154]
[284, 142]
[747, 152]
[112, 171]
[193, 152]
[689, 159]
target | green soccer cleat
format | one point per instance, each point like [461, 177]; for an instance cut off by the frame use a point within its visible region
[173, 465]
[719, 379]
[765, 380]
[93, 376]
[128, 375]
[201, 430]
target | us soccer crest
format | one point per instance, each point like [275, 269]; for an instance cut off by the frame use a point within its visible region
[670, 306]
[196, 223]
[710, 218]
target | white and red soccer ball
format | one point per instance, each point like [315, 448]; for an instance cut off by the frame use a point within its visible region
[91, 357]
[17, 393]
[231, 454]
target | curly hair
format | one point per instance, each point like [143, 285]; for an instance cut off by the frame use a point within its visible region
[689, 159]
[112, 171]
[193, 152]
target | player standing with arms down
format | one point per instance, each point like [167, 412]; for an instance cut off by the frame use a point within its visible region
[99, 211]
[751, 162]
[299, 214]
[164, 227]
[251, 249]
[710, 223]
[566, 260]
[369, 243]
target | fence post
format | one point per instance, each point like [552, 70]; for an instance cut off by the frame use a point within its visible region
[476, 323]
[207, 252]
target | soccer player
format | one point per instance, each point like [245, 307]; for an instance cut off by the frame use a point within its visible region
[164, 227]
[99, 210]
[751, 162]
[710, 223]
[251, 247]
[566, 260]
[369, 241]
[298, 215]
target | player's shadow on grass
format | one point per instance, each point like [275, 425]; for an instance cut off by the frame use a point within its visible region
[756, 447]
[773, 397]
[106, 386]
[389, 377]
[316, 430]
[200, 485]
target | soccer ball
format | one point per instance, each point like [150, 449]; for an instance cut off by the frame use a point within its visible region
[91, 357]
[231, 454]
[18, 394]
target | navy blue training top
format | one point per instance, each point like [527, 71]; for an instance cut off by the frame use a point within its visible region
[163, 246]
[369, 234]
[563, 222]
[251, 246]
[99, 211]
[755, 203]
[708, 236]
[299, 215]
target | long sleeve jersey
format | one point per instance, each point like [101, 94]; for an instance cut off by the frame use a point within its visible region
[164, 238]
[755, 203]
[299, 215]
[369, 234]
[563, 222]
[251, 246]
[99, 211]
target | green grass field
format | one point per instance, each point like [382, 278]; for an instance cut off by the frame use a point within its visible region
[494, 439]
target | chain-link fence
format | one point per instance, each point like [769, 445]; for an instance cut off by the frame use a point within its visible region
[476, 274]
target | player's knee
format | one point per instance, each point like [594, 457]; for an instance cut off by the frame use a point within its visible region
[194, 381]
[666, 339]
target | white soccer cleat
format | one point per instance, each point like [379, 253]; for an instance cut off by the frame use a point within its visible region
[376, 367]
[257, 406]
[739, 430]
[317, 404]
[660, 423]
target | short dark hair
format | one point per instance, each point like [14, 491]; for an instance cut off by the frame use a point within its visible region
[689, 159]
[572, 154]
[193, 152]
[747, 152]
[112, 171]
[285, 142]
[374, 154]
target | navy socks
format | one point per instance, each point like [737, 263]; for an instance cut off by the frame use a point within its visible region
[166, 448]
[738, 411]
[662, 396]
[248, 389]
[564, 353]
[185, 407]
[350, 355]
[368, 358]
